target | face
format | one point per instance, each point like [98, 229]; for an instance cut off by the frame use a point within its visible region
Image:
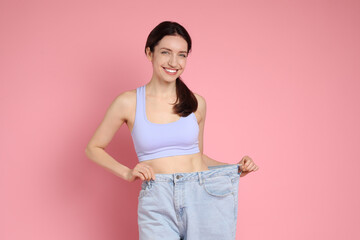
[169, 58]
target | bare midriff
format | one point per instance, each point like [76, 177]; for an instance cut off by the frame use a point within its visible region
[177, 164]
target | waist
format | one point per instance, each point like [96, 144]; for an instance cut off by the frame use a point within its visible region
[176, 164]
[212, 175]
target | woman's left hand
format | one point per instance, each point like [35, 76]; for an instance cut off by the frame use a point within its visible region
[247, 166]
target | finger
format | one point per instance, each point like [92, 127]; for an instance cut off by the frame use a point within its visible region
[254, 168]
[150, 172]
[251, 166]
[246, 166]
[146, 173]
[139, 175]
[143, 171]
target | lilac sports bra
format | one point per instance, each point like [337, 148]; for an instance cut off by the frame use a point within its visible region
[156, 140]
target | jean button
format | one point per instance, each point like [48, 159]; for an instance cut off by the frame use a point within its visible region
[178, 176]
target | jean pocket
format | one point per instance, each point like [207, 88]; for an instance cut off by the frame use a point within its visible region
[219, 186]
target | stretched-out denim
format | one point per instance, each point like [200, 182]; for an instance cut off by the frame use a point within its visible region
[190, 206]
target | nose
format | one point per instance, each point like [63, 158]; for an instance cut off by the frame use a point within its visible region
[172, 61]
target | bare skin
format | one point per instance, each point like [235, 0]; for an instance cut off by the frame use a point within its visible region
[160, 93]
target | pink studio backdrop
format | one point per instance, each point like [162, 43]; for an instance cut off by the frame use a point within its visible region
[281, 80]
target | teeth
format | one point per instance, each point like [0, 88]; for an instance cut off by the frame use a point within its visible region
[172, 71]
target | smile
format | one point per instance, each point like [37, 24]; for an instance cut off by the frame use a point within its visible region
[170, 71]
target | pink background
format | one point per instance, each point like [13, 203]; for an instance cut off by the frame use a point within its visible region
[281, 80]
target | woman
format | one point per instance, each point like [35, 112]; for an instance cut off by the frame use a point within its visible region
[184, 193]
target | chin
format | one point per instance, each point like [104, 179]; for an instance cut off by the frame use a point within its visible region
[170, 78]
[169, 81]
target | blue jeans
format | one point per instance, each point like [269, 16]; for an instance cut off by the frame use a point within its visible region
[190, 206]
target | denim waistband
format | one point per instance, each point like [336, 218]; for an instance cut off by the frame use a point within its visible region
[218, 170]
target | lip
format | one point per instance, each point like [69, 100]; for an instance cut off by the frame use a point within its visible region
[171, 68]
[170, 72]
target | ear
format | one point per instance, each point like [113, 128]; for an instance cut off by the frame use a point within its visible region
[149, 54]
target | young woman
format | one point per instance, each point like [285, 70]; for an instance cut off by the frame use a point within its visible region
[184, 193]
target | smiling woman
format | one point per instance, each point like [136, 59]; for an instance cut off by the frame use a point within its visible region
[168, 55]
[172, 58]
[182, 189]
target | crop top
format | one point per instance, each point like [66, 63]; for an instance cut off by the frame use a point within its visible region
[156, 140]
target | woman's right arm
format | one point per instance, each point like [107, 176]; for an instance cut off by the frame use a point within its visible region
[114, 118]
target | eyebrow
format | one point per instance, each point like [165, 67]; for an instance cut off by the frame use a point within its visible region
[171, 50]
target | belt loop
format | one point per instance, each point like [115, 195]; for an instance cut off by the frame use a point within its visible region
[200, 178]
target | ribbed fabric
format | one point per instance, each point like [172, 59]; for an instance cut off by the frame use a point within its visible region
[155, 140]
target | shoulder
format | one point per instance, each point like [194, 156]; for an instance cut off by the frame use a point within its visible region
[201, 101]
[126, 98]
[201, 110]
[125, 103]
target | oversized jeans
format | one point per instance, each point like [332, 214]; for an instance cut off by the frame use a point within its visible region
[190, 206]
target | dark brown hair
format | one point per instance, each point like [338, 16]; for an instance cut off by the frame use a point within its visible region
[187, 102]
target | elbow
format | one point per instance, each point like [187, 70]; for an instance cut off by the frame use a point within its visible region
[88, 151]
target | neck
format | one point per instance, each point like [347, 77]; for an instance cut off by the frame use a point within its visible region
[161, 89]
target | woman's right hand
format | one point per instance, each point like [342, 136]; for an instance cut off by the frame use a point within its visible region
[142, 171]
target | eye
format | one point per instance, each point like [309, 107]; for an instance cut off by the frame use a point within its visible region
[183, 55]
[164, 52]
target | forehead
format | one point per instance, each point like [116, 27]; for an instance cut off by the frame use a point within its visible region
[175, 43]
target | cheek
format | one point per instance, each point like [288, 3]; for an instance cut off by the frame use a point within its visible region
[183, 63]
[157, 63]
[162, 61]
